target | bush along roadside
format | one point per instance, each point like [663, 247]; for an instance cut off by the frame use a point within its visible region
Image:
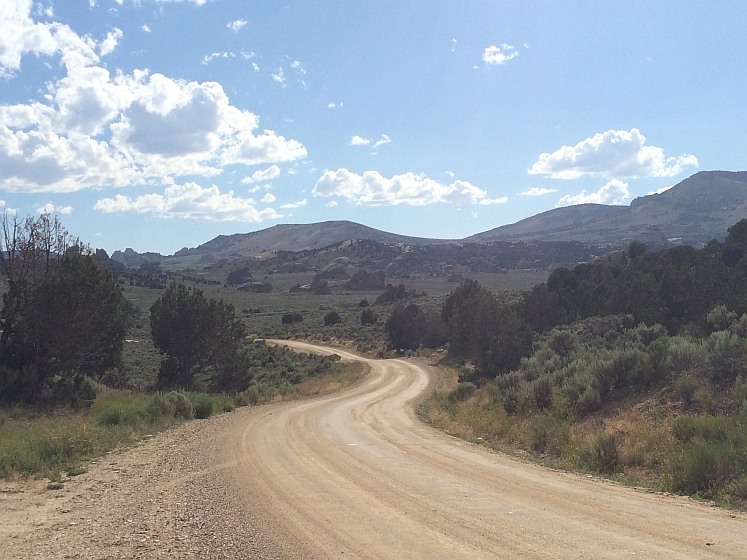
[55, 444]
[61, 441]
[207, 365]
[628, 402]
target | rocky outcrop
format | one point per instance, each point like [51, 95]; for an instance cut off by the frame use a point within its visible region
[336, 270]
[256, 287]
[132, 259]
[239, 277]
[364, 280]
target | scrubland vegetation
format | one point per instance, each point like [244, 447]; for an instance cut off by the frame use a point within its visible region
[628, 401]
[55, 443]
[633, 366]
[84, 370]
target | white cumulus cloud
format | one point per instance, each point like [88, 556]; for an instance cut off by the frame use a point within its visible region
[262, 175]
[614, 192]
[50, 208]
[267, 147]
[95, 129]
[145, 28]
[19, 34]
[612, 154]
[374, 190]
[42, 10]
[384, 140]
[294, 204]
[278, 76]
[190, 201]
[39, 161]
[499, 55]
[537, 191]
[208, 58]
[489, 201]
[359, 141]
[268, 198]
[110, 43]
[236, 26]
[6, 209]
[298, 67]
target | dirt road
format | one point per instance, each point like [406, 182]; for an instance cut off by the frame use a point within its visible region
[357, 474]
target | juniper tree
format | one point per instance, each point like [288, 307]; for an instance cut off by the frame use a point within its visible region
[197, 335]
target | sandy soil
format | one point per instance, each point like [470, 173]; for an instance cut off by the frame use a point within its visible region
[354, 474]
[166, 498]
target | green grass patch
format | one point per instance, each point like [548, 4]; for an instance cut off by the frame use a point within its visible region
[34, 444]
[61, 441]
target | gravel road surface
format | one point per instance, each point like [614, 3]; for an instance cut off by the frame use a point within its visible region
[351, 475]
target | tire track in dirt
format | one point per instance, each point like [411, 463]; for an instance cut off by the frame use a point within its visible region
[351, 474]
[358, 473]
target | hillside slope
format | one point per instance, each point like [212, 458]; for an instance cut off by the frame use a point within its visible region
[559, 222]
[288, 237]
[693, 212]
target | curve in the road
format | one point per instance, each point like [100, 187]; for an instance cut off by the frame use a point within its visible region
[358, 474]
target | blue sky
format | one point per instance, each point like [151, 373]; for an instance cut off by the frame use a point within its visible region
[161, 124]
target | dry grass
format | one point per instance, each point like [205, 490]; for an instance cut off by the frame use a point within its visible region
[646, 452]
[262, 313]
[34, 444]
[55, 442]
[314, 386]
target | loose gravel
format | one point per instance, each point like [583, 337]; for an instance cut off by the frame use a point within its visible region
[165, 498]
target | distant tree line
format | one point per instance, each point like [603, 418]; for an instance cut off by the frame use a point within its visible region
[204, 347]
[675, 288]
[198, 337]
[395, 293]
[63, 317]
[409, 327]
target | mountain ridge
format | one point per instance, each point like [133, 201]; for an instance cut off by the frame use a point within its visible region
[692, 212]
